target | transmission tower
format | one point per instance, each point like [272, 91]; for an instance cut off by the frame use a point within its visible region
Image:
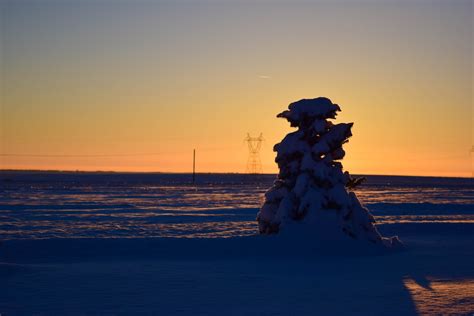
[254, 165]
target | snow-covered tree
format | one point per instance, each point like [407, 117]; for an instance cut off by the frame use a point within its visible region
[312, 191]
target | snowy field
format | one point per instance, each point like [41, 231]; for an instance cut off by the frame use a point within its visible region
[156, 244]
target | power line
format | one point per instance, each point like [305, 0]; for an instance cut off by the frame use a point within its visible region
[209, 149]
[80, 155]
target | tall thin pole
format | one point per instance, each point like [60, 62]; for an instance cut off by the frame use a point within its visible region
[472, 165]
[194, 165]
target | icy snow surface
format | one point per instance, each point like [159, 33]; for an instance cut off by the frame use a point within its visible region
[133, 205]
[54, 258]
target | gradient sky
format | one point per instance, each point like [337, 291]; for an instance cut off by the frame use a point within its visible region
[96, 84]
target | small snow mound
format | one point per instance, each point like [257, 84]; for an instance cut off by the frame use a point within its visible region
[393, 242]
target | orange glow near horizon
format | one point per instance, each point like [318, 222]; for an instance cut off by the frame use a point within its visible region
[95, 85]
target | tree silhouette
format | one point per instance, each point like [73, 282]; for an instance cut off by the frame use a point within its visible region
[312, 190]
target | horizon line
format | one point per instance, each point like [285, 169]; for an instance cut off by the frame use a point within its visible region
[208, 172]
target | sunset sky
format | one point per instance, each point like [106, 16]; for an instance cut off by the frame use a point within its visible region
[136, 85]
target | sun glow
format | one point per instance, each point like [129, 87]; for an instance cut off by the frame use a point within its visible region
[94, 85]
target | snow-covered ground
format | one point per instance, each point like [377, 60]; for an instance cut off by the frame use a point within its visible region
[113, 244]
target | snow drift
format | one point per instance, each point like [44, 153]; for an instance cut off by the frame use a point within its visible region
[312, 193]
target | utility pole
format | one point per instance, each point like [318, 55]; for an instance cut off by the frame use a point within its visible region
[472, 168]
[194, 166]
[254, 165]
